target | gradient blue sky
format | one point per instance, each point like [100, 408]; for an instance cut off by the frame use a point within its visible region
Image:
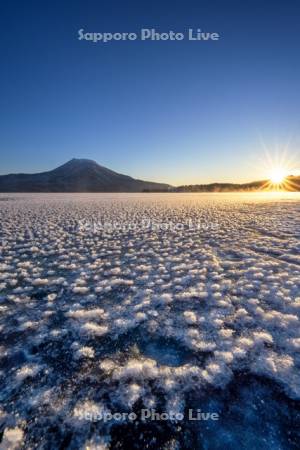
[180, 112]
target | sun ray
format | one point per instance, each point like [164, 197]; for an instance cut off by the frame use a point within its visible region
[279, 167]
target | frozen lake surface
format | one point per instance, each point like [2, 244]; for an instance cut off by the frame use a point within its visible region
[122, 302]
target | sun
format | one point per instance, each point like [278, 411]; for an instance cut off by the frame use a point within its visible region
[279, 167]
[278, 175]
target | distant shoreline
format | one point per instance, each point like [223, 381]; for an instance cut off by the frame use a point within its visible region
[87, 176]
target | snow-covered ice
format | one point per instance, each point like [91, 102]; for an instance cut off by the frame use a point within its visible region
[119, 302]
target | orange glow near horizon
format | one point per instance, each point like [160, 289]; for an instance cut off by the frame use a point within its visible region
[279, 167]
[279, 180]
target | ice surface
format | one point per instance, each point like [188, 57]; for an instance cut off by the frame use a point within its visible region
[118, 302]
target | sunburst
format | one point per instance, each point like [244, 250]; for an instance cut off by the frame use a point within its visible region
[279, 167]
[278, 175]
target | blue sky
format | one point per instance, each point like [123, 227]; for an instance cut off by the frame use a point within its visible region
[180, 112]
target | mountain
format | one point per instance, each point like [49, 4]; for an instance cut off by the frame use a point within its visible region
[77, 175]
